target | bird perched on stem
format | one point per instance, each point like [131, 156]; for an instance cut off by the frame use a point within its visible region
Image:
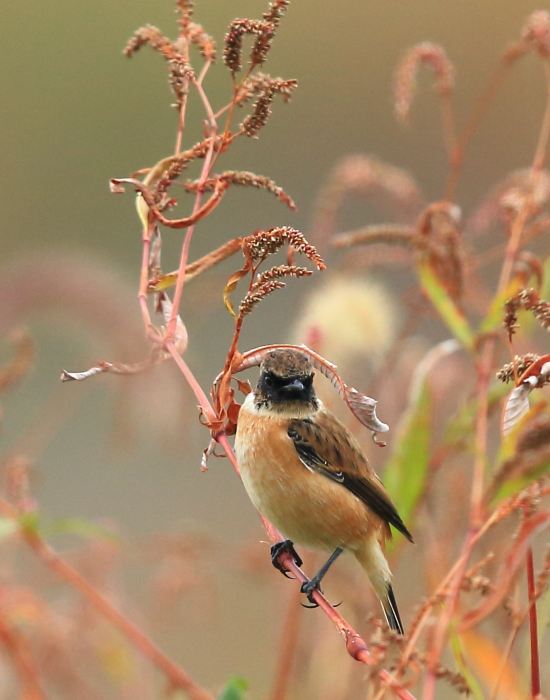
[305, 472]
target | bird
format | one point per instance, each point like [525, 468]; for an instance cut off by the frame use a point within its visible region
[306, 474]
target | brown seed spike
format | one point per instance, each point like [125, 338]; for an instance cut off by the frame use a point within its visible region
[253, 297]
[520, 364]
[428, 54]
[259, 83]
[234, 41]
[204, 41]
[246, 179]
[263, 243]
[276, 11]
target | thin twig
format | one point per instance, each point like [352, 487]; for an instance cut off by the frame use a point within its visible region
[176, 675]
[533, 631]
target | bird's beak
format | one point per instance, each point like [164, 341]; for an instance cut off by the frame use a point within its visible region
[294, 387]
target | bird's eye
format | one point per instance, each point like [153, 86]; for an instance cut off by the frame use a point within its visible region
[268, 381]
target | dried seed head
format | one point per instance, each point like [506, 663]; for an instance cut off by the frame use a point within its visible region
[262, 111]
[521, 364]
[386, 186]
[391, 234]
[431, 55]
[259, 83]
[152, 36]
[507, 196]
[528, 300]
[264, 31]
[263, 243]
[279, 272]
[246, 179]
[536, 33]
[276, 11]
[253, 298]
[439, 241]
[232, 52]
[185, 8]
[179, 70]
[205, 43]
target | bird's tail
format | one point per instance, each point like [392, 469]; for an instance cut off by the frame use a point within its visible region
[374, 563]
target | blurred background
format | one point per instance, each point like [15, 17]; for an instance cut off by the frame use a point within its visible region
[126, 452]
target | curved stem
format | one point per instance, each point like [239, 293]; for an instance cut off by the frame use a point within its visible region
[176, 675]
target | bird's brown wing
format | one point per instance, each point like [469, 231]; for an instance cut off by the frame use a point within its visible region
[325, 445]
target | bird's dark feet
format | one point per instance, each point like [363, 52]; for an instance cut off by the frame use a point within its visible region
[285, 546]
[308, 587]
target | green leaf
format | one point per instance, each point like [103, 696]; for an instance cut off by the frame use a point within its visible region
[234, 689]
[459, 433]
[405, 473]
[495, 318]
[77, 526]
[407, 468]
[452, 316]
[7, 527]
[29, 521]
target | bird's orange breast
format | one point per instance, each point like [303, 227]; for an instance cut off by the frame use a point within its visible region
[306, 506]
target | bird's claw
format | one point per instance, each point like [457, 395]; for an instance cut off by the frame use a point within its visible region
[279, 548]
[308, 587]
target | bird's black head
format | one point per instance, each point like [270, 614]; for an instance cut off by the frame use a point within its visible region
[286, 381]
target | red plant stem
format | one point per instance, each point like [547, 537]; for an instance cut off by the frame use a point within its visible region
[355, 645]
[187, 240]
[472, 125]
[484, 369]
[23, 661]
[144, 275]
[289, 643]
[476, 512]
[533, 631]
[190, 377]
[176, 675]
[183, 106]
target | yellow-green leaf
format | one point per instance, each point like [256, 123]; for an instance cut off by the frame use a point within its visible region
[451, 315]
[231, 285]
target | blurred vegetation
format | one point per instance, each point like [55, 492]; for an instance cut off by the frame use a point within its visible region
[426, 260]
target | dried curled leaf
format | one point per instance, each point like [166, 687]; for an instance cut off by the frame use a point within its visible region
[517, 405]
[180, 338]
[362, 407]
[114, 368]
